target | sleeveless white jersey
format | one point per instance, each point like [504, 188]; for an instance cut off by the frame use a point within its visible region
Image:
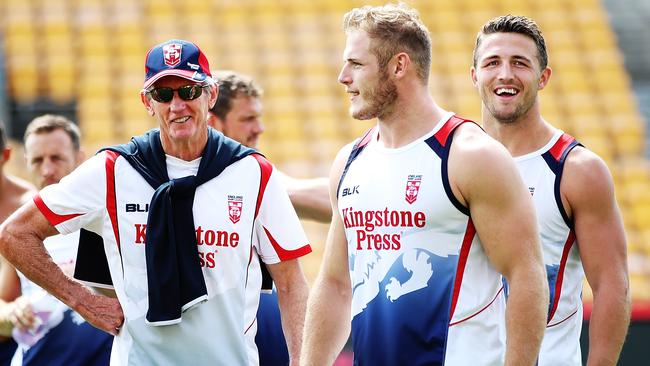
[241, 211]
[423, 291]
[542, 172]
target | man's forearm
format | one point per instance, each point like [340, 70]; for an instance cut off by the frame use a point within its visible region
[608, 326]
[526, 320]
[31, 258]
[310, 198]
[327, 326]
[293, 305]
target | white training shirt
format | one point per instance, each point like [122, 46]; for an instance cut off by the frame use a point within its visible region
[243, 210]
[541, 171]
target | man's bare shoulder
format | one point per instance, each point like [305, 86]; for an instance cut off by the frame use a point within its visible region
[585, 163]
[585, 176]
[477, 147]
[479, 165]
[20, 188]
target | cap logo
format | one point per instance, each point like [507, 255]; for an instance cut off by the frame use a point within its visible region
[172, 54]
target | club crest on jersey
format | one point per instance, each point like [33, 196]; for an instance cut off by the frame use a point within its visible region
[172, 54]
[235, 204]
[413, 188]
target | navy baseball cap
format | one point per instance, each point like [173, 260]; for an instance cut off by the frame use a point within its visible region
[178, 58]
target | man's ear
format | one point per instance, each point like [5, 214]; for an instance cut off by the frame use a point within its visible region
[6, 154]
[80, 156]
[544, 78]
[214, 94]
[147, 104]
[215, 122]
[402, 62]
[472, 73]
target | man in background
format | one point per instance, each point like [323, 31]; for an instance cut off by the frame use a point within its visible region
[47, 331]
[14, 192]
[572, 188]
[238, 114]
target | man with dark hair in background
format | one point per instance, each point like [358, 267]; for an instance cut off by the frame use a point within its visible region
[47, 331]
[238, 114]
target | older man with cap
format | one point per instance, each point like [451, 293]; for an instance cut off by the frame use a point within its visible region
[181, 210]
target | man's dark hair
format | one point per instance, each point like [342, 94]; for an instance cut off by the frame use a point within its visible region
[515, 24]
[231, 85]
[52, 122]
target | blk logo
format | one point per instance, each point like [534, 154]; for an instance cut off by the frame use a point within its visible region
[350, 191]
[137, 207]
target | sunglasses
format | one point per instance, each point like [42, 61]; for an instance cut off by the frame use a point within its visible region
[187, 92]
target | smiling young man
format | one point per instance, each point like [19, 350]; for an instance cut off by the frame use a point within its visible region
[579, 220]
[181, 210]
[403, 262]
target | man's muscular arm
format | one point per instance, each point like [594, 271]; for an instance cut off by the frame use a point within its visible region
[486, 180]
[588, 187]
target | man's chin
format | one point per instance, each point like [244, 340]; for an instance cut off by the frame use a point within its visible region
[47, 183]
[362, 115]
[252, 143]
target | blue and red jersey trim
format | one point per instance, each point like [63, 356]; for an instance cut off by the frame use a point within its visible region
[440, 143]
[555, 158]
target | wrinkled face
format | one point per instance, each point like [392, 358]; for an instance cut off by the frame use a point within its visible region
[243, 123]
[508, 76]
[181, 121]
[372, 93]
[50, 156]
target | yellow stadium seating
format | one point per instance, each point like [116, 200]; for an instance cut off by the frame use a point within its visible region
[91, 52]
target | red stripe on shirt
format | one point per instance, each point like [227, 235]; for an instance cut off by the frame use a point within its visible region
[563, 320]
[560, 275]
[53, 218]
[443, 134]
[470, 231]
[285, 254]
[111, 197]
[562, 143]
[266, 169]
[480, 311]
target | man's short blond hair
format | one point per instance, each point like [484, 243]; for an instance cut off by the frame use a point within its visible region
[393, 28]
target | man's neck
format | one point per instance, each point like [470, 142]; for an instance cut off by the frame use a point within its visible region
[413, 117]
[520, 137]
[187, 150]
